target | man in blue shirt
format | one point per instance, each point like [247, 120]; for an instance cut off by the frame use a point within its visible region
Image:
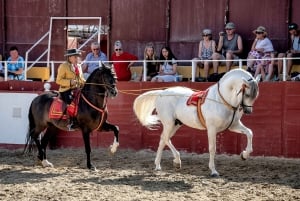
[93, 59]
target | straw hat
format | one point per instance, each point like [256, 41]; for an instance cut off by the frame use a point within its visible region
[260, 29]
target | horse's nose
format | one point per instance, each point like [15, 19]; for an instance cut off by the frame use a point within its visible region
[247, 110]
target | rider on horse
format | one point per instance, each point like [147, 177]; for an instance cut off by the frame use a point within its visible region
[70, 77]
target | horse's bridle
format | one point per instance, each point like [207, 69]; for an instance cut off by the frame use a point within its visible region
[239, 106]
[104, 107]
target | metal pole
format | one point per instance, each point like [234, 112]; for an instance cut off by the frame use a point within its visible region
[193, 70]
[284, 69]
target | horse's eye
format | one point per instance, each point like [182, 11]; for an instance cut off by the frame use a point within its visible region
[247, 95]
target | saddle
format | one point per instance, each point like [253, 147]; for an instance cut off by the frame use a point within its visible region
[197, 99]
[60, 110]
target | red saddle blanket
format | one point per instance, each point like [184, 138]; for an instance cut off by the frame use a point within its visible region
[57, 109]
[197, 96]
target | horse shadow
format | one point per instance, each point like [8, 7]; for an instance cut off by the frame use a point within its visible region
[9, 176]
[147, 181]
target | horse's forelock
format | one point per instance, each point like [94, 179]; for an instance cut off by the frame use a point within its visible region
[253, 89]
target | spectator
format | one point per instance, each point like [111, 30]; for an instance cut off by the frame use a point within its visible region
[93, 59]
[122, 68]
[69, 77]
[1, 71]
[168, 68]
[294, 51]
[230, 45]
[151, 64]
[262, 48]
[15, 65]
[207, 47]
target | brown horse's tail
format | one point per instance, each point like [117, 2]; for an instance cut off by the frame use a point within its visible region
[29, 140]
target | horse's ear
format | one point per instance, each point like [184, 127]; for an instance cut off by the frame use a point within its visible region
[258, 78]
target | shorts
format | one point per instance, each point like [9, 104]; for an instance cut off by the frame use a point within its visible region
[235, 57]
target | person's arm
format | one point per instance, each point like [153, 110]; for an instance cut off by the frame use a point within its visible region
[200, 50]
[254, 44]
[240, 46]
[213, 46]
[221, 40]
[131, 57]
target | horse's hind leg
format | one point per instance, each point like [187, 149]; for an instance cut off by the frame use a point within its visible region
[41, 141]
[110, 127]
[44, 143]
[168, 131]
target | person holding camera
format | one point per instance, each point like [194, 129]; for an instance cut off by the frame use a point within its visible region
[230, 46]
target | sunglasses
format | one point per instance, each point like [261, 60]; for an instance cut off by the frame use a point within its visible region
[228, 29]
[258, 32]
[118, 49]
[206, 35]
[96, 49]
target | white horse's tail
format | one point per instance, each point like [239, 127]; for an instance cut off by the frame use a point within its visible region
[144, 106]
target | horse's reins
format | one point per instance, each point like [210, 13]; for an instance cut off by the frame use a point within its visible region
[230, 106]
[101, 110]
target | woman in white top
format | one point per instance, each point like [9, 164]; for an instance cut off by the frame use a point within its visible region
[168, 68]
[262, 48]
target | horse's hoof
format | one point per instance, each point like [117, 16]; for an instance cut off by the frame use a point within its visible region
[177, 166]
[46, 163]
[214, 175]
[243, 157]
[157, 169]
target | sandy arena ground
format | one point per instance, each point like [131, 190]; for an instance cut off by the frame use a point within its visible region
[130, 175]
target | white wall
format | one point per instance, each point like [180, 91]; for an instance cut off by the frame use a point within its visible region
[14, 117]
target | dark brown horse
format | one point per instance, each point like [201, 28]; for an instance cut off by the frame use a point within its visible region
[92, 114]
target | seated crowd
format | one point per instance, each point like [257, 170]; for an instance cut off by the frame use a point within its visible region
[261, 59]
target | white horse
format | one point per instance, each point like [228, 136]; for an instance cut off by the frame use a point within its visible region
[225, 103]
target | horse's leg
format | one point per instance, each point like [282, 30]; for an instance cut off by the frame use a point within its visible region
[212, 151]
[44, 142]
[87, 145]
[110, 127]
[176, 154]
[168, 131]
[240, 128]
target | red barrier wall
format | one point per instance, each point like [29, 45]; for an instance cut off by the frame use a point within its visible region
[275, 123]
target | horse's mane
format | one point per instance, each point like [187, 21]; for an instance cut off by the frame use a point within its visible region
[101, 70]
[242, 74]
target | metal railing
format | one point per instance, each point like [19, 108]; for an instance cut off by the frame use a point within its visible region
[144, 64]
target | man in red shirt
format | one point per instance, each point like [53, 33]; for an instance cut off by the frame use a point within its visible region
[122, 67]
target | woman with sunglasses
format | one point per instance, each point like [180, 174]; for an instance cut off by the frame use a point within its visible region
[126, 60]
[207, 47]
[262, 48]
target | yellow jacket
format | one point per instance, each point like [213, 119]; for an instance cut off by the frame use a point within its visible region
[65, 74]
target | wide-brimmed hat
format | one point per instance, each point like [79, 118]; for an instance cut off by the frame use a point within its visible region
[260, 29]
[72, 52]
[206, 32]
[230, 25]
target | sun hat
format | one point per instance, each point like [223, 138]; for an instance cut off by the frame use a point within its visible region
[260, 29]
[71, 52]
[292, 26]
[230, 25]
[206, 32]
